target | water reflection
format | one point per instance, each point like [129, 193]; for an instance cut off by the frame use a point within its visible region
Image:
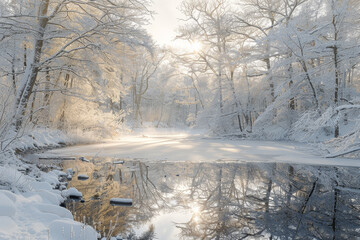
[219, 200]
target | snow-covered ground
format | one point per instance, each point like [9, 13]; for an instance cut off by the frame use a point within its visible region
[172, 145]
[34, 212]
[29, 203]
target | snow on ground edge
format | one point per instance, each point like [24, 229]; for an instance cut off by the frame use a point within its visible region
[29, 204]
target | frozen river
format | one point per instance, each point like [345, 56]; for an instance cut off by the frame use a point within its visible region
[186, 146]
[184, 185]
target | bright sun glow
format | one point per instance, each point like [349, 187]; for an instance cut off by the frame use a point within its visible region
[196, 219]
[195, 209]
[196, 213]
[195, 46]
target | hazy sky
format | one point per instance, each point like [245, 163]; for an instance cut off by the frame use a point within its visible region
[165, 22]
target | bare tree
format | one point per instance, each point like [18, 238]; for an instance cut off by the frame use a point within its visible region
[55, 26]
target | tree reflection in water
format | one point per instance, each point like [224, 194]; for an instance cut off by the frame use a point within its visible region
[224, 200]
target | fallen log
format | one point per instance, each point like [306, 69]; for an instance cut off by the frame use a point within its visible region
[343, 153]
[57, 158]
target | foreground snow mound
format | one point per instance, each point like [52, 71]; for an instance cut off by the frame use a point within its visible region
[8, 227]
[29, 201]
[7, 206]
[12, 179]
[69, 229]
[35, 213]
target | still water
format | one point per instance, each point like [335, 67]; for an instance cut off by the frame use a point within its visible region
[219, 200]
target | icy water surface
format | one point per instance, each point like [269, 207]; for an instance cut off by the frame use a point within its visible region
[183, 200]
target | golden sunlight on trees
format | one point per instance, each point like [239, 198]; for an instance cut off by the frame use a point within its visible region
[271, 69]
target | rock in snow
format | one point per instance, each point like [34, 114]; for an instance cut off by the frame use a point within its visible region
[118, 162]
[71, 192]
[70, 171]
[59, 173]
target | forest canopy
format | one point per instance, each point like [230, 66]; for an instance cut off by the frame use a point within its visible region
[269, 69]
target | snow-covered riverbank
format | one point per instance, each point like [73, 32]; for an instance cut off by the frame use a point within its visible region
[30, 198]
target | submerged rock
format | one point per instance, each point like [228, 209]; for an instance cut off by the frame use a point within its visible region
[119, 162]
[84, 159]
[121, 202]
[83, 177]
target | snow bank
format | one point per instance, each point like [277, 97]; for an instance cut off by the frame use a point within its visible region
[8, 226]
[12, 179]
[7, 206]
[44, 138]
[36, 214]
[41, 138]
[29, 202]
[69, 229]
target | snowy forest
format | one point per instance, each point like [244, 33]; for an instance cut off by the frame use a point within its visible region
[265, 69]
[85, 71]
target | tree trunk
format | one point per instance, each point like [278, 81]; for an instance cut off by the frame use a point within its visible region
[221, 105]
[237, 102]
[303, 64]
[220, 66]
[292, 99]
[121, 98]
[31, 72]
[337, 73]
[25, 57]
[31, 115]
[63, 110]
[271, 83]
[13, 75]
[337, 82]
[47, 87]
